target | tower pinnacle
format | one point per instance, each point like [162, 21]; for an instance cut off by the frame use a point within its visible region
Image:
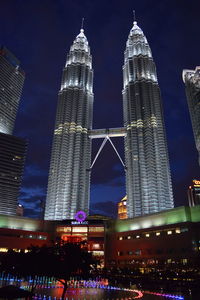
[82, 24]
[134, 18]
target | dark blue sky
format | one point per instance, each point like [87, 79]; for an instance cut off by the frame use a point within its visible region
[40, 33]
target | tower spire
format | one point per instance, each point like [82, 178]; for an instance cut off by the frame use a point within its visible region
[134, 18]
[82, 23]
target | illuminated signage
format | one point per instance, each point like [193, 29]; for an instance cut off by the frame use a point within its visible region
[196, 182]
[80, 216]
[79, 223]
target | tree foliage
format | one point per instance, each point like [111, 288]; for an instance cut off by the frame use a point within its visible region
[61, 261]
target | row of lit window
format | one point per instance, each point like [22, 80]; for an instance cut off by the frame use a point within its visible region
[16, 250]
[80, 229]
[154, 251]
[149, 261]
[136, 252]
[32, 236]
[97, 253]
[27, 236]
[147, 235]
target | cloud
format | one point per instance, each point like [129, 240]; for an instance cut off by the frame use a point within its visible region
[108, 208]
[104, 199]
[35, 176]
[34, 170]
[32, 192]
[33, 200]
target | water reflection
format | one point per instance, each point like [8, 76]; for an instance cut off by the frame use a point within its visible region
[85, 294]
[53, 291]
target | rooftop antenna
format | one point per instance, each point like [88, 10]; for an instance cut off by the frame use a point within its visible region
[82, 23]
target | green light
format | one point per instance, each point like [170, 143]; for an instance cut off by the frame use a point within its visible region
[173, 216]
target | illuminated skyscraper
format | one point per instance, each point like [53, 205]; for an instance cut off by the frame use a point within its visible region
[191, 79]
[12, 149]
[148, 180]
[11, 83]
[69, 176]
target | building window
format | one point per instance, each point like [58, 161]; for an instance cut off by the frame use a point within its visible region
[98, 253]
[128, 237]
[178, 230]
[137, 236]
[157, 233]
[137, 252]
[42, 237]
[159, 251]
[184, 229]
[120, 238]
[96, 229]
[147, 235]
[63, 229]
[79, 229]
[184, 261]
[169, 232]
[96, 246]
[3, 249]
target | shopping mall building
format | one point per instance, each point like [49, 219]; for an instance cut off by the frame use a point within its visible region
[168, 237]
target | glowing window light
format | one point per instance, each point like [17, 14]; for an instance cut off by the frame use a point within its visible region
[98, 253]
[147, 235]
[157, 233]
[3, 249]
[137, 236]
[169, 232]
[178, 230]
[79, 229]
[96, 246]
[96, 229]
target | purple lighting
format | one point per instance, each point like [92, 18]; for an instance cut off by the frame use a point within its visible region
[80, 216]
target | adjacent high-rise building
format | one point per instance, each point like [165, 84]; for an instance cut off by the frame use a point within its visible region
[12, 149]
[122, 208]
[194, 193]
[191, 79]
[69, 176]
[11, 83]
[12, 156]
[148, 179]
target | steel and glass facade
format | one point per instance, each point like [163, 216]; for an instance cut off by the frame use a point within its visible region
[148, 180]
[12, 149]
[12, 156]
[69, 176]
[11, 83]
[191, 79]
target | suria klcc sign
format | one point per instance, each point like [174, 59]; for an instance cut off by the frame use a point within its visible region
[80, 217]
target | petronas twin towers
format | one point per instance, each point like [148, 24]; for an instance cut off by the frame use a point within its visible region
[148, 180]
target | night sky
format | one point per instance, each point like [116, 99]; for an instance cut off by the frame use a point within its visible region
[40, 33]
